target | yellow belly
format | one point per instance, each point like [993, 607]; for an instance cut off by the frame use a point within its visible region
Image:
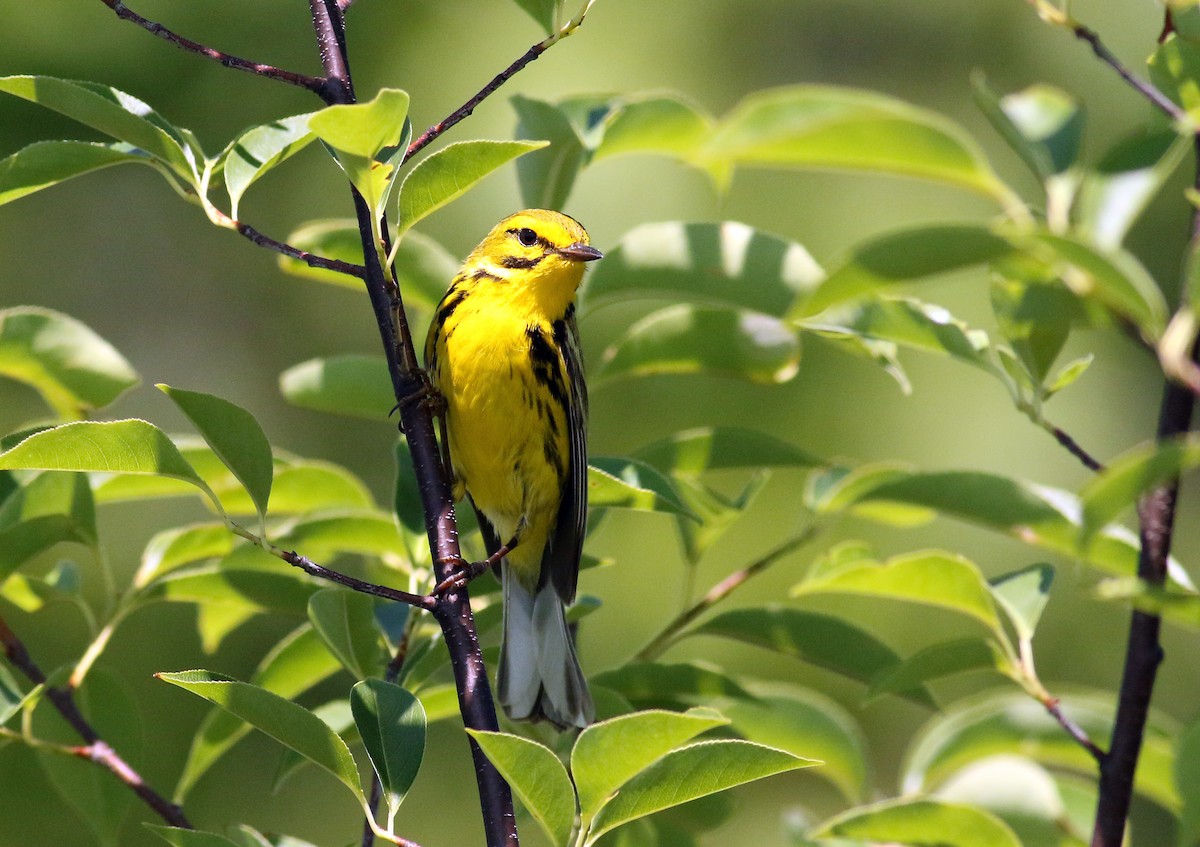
[498, 438]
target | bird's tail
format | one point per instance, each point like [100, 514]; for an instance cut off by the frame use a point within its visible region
[539, 676]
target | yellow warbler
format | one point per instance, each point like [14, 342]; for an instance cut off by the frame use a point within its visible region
[503, 351]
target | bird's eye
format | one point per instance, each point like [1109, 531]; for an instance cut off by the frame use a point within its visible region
[527, 237]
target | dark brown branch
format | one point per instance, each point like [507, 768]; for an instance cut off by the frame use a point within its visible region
[1161, 101]
[1075, 449]
[257, 68]
[467, 108]
[452, 610]
[310, 259]
[310, 567]
[96, 749]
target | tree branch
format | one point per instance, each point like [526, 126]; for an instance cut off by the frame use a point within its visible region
[1160, 101]
[310, 259]
[257, 68]
[96, 749]
[451, 610]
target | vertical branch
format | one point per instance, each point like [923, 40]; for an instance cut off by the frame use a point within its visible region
[453, 610]
[1143, 654]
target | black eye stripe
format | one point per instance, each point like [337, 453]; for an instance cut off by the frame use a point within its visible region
[529, 238]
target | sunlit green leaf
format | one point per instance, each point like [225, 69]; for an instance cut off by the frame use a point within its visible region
[109, 111]
[178, 546]
[610, 753]
[370, 533]
[621, 483]
[815, 126]
[941, 660]
[310, 486]
[256, 590]
[537, 777]
[655, 123]
[259, 149]
[363, 129]
[1035, 319]
[1023, 595]
[697, 770]
[190, 837]
[919, 822]
[48, 509]
[450, 172]
[654, 685]
[291, 725]
[688, 339]
[725, 263]
[359, 386]
[1175, 70]
[695, 451]
[235, 436]
[542, 11]
[546, 176]
[1043, 124]
[47, 163]
[73, 368]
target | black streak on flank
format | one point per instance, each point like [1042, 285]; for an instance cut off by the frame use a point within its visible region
[520, 262]
[449, 305]
[544, 361]
[484, 273]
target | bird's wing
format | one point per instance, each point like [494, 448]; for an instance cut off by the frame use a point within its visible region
[561, 559]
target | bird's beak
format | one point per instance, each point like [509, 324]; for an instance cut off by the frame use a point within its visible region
[580, 252]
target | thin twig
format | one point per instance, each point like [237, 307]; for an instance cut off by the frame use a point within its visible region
[310, 259]
[467, 108]
[719, 592]
[257, 68]
[1146, 89]
[1075, 449]
[1078, 733]
[96, 749]
[420, 601]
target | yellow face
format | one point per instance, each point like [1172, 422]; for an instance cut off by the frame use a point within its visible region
[534, 244]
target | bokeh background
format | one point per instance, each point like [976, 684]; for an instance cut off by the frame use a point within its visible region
[203, 309]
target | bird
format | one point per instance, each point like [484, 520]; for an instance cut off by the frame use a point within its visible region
[503, 353]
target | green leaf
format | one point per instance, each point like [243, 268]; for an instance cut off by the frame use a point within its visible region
[1113, 196]
[12, 699]
[1035, 319]
[48, 509]
[908, 323]
[610, 753]
[919, 822]
[189, 837]
[620, 483]
[1044, 517]
[1175, 70]
[178, 546]
[293, 726]
[1114, 278]
[818, 639]
[1043, 124]
[537, 777]
[725, 263]
[73, 368]
[650, 685]
[1023, 595]
[369, 533]
[546, 176]
[1013, 723]
[109, 111]
[359, 386]
[345, 620]
[1068, 373]
[363, 129]
[312, 486]
[941, 660]
[261, 148]
[928, 578]
[119, 447]
[391, 723]
[692, 452]
[235, 436]
[698, 770]
[667, 124]
[1125, 479]
[450, 172]
[813, 126]
[836, 489]
[542, 11]
[294, 665]
[688, 339]
[905, 256]
[254, 590]
[808, 724]
[48, 163]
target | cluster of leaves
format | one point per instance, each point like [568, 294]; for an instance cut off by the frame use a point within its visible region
[725, 299]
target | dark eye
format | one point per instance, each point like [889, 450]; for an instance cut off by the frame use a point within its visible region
[527, 237]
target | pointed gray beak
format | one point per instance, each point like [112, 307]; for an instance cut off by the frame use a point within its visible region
[581, 252]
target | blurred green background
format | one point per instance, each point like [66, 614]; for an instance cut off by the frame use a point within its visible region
[203, 309]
